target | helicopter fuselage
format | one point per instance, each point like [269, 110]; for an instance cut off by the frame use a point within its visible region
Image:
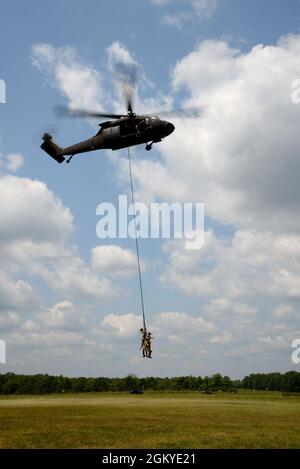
[114, 135]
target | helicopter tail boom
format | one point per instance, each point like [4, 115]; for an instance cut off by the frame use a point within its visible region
[54, 150]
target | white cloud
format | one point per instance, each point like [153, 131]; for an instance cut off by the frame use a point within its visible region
[183, 11]
[285, 312]
[72, 276]
[205, 8]
[16, 295]
[185, 323]
[51, 339]
[176, 339]
[241, 154]
[275, 342]
[225, 306]
[224, 338]
[251, 264]
[9, 320]
[35, 239]
[176, 19]
[114, 260]
[118, 53]
[14, 161]
[29, 210]
[78, 82]
[65, 316]
[126, 325]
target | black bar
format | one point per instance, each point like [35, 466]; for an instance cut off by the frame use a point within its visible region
[89, 458]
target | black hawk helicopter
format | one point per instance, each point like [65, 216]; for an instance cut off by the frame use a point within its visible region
[125, 130]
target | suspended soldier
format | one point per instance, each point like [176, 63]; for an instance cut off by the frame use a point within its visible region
[143, 346]
[148, 345]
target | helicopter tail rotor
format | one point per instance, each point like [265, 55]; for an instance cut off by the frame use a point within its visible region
[53, 149]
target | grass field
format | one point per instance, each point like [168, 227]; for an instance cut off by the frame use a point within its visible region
[153, 420]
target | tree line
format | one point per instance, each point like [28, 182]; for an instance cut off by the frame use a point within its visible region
[286, 382]
[11, 383]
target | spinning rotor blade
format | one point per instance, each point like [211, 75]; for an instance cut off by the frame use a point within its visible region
[128, 93]
[63, 111]
[126, 74]
[189, 113]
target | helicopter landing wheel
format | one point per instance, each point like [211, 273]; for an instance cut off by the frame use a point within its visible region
[69, 159]
[149, 146]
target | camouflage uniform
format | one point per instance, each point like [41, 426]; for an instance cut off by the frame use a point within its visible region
[143, 346]
[148, 341]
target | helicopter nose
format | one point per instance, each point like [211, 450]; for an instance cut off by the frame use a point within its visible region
[169, 128]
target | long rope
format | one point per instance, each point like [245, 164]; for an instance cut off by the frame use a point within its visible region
[136, 242]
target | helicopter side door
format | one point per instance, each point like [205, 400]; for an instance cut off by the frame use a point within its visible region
[111, 133]
[128, 128]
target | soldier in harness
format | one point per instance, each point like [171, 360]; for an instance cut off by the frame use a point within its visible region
[146, 343]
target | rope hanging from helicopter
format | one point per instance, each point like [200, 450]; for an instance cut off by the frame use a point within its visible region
[110, 136]
[136, 242]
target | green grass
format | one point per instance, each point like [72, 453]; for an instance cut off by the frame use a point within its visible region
[153, 420]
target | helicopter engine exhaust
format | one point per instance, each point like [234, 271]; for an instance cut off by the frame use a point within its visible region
[50, 147]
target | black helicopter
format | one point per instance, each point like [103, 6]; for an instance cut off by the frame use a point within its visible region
[124, 131]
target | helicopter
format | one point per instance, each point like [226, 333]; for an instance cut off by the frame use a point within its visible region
[122, 130]
[125, 130]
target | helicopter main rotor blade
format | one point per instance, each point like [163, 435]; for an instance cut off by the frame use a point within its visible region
[190, 113]
[63, 111]
[126, 75]
[128, 94]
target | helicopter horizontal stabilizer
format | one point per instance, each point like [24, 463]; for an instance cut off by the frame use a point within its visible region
[54, 150]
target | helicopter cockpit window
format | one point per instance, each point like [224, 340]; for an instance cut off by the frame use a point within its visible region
[150, 120]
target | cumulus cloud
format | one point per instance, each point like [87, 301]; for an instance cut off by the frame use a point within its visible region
[65, 316]
[77, 81]
[119, 54]
[114, 260]
[183, 11]
[35, 238]
[251, 263]
[29, 210]
[16, 294]
[286, 312]
[75, 278]
[241, 154]
[185, 323]
[226, 306]
[223, 338]
[9, 321]
[123, 325]
[46, 340]
[13, 162]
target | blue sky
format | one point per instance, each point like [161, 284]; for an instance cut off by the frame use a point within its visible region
[239, 295]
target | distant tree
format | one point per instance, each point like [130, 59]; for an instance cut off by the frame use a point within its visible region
[131, 382]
